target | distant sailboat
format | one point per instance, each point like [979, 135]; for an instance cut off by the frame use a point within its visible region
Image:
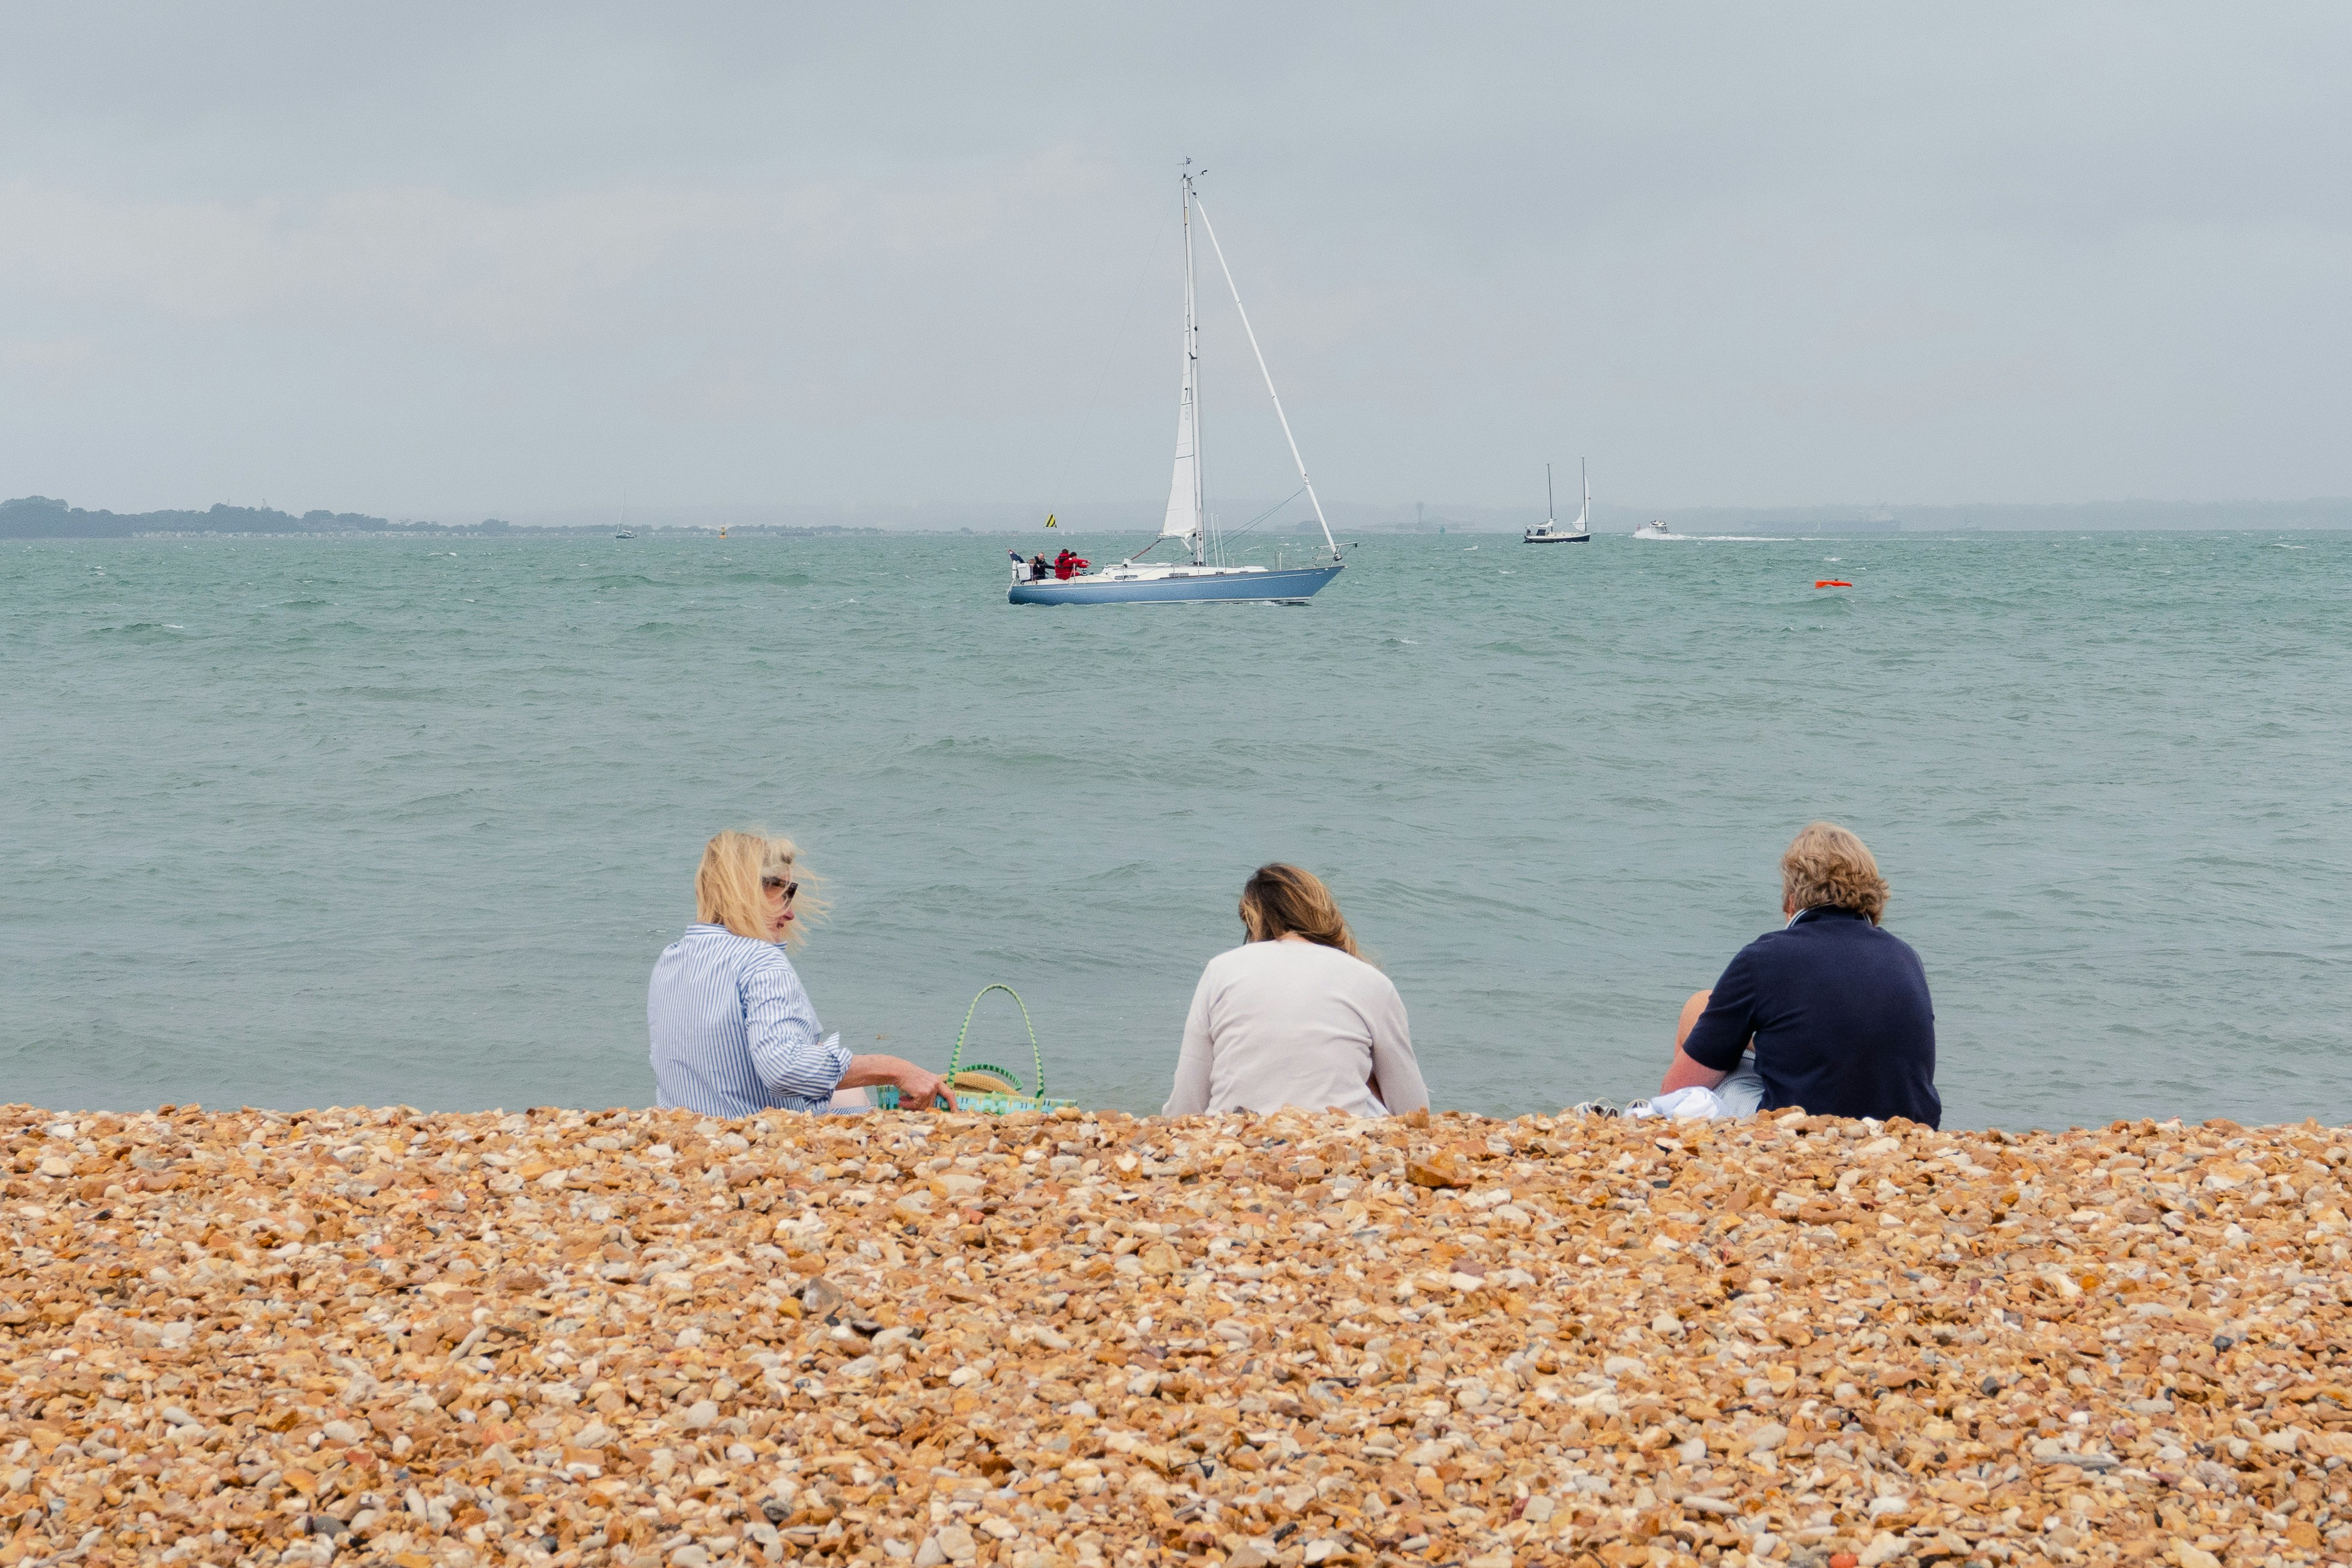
[1201, 578]
[621, 529]
[1551, 533]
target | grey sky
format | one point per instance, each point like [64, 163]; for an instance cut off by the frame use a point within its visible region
[455, 260]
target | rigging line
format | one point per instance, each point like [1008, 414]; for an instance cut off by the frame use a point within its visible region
[1234, 289]
[1102, 375]
[1236, 533]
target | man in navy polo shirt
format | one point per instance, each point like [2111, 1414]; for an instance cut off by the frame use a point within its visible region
[1829, 1012]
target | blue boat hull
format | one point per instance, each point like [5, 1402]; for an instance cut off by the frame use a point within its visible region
[1290, 584]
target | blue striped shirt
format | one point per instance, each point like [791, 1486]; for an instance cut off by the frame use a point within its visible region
[734, 1031]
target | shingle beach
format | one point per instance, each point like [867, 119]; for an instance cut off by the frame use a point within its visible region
[642, 1338]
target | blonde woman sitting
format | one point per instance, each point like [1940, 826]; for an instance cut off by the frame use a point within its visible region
[734, 1031]
[1295, 1016]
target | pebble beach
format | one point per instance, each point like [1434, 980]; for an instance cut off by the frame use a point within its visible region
[642, 1338]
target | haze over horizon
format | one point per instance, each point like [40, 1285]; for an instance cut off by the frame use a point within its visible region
[452, 264]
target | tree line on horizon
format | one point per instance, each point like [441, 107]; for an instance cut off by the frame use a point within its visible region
[46, 517]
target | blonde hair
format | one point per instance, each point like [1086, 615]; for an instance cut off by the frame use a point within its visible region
[1281, 901]
[728, 886]
[1827, 865]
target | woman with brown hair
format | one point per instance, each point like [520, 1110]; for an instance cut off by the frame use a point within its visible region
[1295, 1016]
[734, 1031]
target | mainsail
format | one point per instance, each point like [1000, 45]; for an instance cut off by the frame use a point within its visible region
[1184, 519]
[1184, 508]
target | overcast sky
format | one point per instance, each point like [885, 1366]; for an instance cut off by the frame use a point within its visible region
[449, 261]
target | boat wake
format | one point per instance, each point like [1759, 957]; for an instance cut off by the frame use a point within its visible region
[1657, 532]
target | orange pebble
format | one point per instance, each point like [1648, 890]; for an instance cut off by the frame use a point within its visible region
[1842, 1560]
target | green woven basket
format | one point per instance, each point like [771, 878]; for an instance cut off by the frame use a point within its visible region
[983, 1087]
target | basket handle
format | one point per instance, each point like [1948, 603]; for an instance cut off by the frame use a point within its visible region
[1037, 1056]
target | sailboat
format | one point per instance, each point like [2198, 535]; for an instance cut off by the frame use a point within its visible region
[1551, 533]
[1205, 575]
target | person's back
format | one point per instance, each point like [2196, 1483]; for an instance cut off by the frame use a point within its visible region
[1835, 1009]
[1296, 1023]
[706, 988]
[1840, 1018]
[1291, 1018]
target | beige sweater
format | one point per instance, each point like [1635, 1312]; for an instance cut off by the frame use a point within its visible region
[1295, 1023]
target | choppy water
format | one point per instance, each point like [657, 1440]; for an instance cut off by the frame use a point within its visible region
[307, 822]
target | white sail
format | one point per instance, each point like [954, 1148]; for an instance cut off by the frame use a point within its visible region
[1185, 510]
[1184, 519]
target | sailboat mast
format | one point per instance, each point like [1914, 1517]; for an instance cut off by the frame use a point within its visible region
[1584, 518]
[1548, 494]
[1193, 383]
[1304, 483]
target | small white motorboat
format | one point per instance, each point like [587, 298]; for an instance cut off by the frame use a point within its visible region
[1656, 529]
[1550, 532]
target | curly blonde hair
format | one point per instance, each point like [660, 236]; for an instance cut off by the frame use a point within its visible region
[1827, 865]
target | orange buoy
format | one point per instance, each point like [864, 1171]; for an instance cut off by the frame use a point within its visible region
[1831, 583]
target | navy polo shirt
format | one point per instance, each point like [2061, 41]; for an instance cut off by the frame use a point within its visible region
[1838, 1011]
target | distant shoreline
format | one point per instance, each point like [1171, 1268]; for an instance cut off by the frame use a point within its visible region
[42, 517]
[440, 531]
[534, 533]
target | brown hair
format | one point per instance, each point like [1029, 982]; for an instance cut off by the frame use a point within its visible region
[730, 886]
[1828, 865]
[1282, 900]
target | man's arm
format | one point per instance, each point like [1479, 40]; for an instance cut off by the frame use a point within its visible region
[1725, 1024]
[1683, 1073]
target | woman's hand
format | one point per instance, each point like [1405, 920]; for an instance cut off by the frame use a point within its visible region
[919, 1087]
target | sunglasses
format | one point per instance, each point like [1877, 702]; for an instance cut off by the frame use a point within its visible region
[772, 883]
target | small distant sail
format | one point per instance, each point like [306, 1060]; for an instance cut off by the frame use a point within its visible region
[1049, 520]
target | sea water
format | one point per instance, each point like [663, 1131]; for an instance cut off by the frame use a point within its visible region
[337, 821]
